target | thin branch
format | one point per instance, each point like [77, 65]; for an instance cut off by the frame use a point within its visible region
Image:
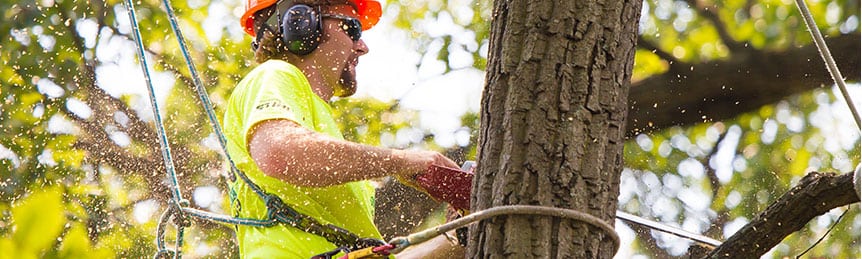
[99, 153]
[116, 157]
[100, 12]
[646, 44]
[710, 172]
[709, 13]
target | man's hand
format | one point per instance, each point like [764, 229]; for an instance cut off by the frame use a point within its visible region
[418, 161]
[440, 178]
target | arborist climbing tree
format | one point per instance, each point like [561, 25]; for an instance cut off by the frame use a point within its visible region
[300, 34]
[282, 134]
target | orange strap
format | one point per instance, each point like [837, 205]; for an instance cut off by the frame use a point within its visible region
[373, 252]
[362, 253]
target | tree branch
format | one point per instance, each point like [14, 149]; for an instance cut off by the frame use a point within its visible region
[97, 153]
[710, 172]
[101, 101]
[101, 148]
[710, 15]
[816, 193]
[719, 90]
[646, 44]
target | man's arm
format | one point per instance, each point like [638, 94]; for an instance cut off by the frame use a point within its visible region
[285, 150]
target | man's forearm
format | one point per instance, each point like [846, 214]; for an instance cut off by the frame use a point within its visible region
[285, 150]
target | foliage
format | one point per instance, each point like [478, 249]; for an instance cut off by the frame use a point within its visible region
[711, 177]
[81, 173]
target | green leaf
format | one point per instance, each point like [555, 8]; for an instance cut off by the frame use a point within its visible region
[76, 244]
[38, 220]
[9, 249]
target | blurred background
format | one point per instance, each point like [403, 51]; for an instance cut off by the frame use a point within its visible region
[730, 107]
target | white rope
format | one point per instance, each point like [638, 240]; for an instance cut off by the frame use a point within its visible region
[827, 57]
[707, 241]
[403, 242]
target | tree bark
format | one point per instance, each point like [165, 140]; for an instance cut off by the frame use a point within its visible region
[552, 125]
[718, 90]
[816, 194]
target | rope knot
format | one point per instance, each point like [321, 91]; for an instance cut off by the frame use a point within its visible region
[164, 254]
[180, 219]
[276, 209]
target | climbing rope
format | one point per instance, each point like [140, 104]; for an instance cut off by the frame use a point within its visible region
[205, 100]
[706, 241]
[826, 55]
[176, 204]
[403, 242]
[163, 140]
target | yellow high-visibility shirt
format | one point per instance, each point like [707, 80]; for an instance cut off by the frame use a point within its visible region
[279, 90]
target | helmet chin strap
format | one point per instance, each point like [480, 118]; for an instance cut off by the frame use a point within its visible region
[259, 37]
[263, 28]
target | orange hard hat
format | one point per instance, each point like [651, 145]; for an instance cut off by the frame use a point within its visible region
[369, 13]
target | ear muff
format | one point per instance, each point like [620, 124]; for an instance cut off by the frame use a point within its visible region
[300, 29]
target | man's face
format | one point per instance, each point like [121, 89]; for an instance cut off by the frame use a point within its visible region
[338, 53]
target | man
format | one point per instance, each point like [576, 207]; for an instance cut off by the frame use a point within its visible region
[282, 135]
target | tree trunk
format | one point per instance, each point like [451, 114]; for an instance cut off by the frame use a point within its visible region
[552, 129]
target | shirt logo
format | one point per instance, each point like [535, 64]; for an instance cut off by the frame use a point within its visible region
[272, 104]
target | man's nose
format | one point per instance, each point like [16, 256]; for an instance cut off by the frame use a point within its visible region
[360, 48]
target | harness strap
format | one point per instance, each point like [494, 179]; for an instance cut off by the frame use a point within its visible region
[276, 209]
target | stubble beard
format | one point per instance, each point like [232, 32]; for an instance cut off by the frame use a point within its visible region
[347, 82]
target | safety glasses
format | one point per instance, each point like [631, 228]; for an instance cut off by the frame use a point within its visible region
[349, 24]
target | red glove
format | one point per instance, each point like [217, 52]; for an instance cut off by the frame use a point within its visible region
[448, 184]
